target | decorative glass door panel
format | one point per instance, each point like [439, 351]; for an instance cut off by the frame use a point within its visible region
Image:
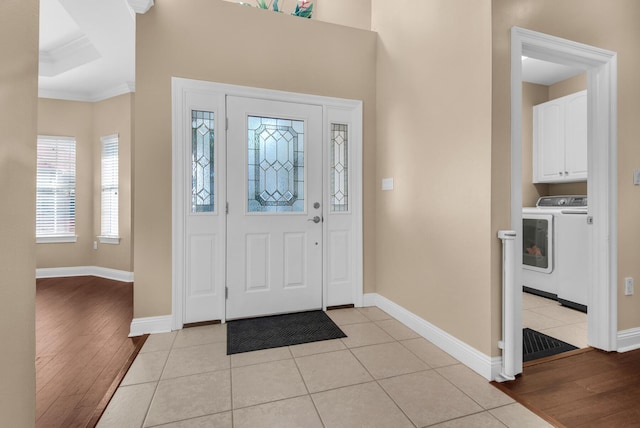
[339, 167]
[202, 161]
[275, 164]
[274, 237]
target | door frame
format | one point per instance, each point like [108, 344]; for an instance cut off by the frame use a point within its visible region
[601, 67]
[335, 110]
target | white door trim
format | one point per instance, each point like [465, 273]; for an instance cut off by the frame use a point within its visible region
[341, 110]
[601, 67]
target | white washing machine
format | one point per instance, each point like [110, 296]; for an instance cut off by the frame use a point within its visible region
[554, 253]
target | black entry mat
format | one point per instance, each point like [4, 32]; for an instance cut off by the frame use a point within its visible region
[537, 345]
[280, 330]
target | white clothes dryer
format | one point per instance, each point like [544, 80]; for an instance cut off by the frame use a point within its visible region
[554, 254]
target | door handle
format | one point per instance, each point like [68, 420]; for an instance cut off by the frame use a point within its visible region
[315, 219]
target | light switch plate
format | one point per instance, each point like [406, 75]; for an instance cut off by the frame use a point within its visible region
[636, 177]
[387, 183]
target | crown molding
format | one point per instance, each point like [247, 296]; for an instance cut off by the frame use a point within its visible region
[123, 88]
[114, 91]
[140, 6]
[67, 56]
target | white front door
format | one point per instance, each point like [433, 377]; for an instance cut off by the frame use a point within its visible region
[275, 206]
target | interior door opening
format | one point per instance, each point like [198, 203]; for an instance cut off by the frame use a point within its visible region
[554, 193]
[601, 67]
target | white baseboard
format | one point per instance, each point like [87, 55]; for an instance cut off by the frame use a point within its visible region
[118, 275]
[628, 340]
[486, 366]
[150, 325]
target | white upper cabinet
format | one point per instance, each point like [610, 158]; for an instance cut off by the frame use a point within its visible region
[560, 140]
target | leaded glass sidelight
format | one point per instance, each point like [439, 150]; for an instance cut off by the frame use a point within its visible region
[339, 167]
[202, 161]
[275, 165]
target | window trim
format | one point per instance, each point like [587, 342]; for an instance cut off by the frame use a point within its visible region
[56, 239]
[113, 240]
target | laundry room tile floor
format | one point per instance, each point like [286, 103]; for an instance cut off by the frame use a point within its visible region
[383, 375]
[549, 317]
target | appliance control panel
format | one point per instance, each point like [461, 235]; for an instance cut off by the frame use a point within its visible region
[562, 201]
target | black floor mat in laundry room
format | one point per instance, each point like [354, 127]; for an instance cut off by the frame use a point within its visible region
[280, 330]
[537, 345]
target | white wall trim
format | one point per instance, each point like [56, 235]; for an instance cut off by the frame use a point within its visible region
[150, 325]
[117, 275]
[629, 340]
[486, 366]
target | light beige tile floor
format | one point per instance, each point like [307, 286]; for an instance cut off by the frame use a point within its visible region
[382, 375]
[549, 317]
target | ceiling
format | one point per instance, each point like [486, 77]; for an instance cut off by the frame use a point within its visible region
[87, 50]
[546, 73]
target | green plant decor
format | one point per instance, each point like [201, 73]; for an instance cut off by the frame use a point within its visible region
[304, 8]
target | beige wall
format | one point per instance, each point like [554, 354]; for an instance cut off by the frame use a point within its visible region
[567, 87]
[87, 122]
[532, 95]
[612, 25]
[352, 13]
[433, 230]
[18, 113]
[269, 50]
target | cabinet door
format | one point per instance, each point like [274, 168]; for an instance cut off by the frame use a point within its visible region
[576, 137]
[548, 142]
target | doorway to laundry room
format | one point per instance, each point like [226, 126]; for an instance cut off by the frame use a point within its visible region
[554, 208]
[569, 171]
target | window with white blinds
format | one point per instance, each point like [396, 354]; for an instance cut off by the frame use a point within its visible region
[109, 179]
[56, 189]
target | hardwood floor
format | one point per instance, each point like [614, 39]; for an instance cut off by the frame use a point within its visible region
[589, 388]
[82, 348]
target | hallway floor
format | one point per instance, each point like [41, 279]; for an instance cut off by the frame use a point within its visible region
[382, 375]
[82, 348]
